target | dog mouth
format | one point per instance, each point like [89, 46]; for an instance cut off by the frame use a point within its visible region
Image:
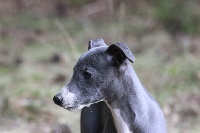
[70, 108]
[76, 106]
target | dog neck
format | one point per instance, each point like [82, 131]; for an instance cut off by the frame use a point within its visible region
[129, 104]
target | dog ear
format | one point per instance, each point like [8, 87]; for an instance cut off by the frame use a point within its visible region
[96, 43]
[120, 52]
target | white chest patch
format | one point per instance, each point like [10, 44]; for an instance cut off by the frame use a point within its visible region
[120, 124]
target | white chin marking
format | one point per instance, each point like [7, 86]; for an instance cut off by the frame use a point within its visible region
[70, 100]
[88, 105]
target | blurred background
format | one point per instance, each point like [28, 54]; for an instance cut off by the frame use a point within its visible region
[41, 40]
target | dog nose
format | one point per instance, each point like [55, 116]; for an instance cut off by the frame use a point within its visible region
[58, 100]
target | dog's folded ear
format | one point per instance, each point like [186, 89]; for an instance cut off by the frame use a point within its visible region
[96, 43]
[120, 52]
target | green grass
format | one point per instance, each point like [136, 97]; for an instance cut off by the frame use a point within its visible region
[179, 15]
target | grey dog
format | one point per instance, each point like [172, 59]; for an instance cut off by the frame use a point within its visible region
[104, 79]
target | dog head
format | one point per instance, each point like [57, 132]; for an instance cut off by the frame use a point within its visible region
[94, 75]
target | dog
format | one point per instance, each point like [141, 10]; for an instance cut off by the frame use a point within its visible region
[113, 99]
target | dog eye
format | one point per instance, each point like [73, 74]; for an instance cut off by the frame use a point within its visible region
[87, 74]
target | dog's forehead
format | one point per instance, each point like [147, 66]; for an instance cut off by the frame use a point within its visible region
[91, 55]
